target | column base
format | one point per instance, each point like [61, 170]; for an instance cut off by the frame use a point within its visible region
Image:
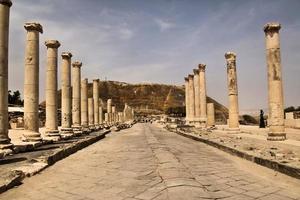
[5, 148]
[276, 136]
[86, 130]
[233, 130]
[66, 133]
[77, 130]
[31, 136]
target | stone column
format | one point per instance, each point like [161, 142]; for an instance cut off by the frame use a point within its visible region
[232, 92]
[84, 104]
[96, 101]
[91, 113]
[275, 88]
[197, 97]
[106, 118]
[109, 102]
[113, 114]
[100, 115]
[186, 84]
[191, 98]
[76, 96]
[210, 115]
[31, 83]
[66, 99]
[51, 89]
[202, 80]
[4, 39]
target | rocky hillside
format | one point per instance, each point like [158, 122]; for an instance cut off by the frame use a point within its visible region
[148, 98]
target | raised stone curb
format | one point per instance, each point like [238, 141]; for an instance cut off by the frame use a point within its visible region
[17, 175]
[282, 168]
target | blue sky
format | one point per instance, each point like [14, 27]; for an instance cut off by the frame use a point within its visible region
[161, 41]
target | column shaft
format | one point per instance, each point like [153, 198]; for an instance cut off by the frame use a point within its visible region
[31, 83]
[4, 39]
[84, 103]
[197, 97]
[100, 115]
[76, 77]
[275, 88]
[232, 91]
[186, 84]
[109, 110]
[51, 88]
[66, 99]
[96, 101]
[202, 81]
[191, 98]
[210, 114]
[91, 112]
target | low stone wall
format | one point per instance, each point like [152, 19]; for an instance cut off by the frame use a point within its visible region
[292, 123]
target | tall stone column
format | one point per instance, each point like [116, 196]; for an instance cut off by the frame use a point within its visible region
[76, 97]
[91, 113]
[96, 102]
[109, 110]
[275, 88]
[84, 104]
[232, 92]
[4, 39]
[191, 98]
[100, 115]
[202, 80]
[51, 88]
[187, 114]
[106, 118]
[210, 114]
[66, 99]
[197, 97]
[113, 114]
[31, 83]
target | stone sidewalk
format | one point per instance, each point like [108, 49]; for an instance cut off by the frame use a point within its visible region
[148, 162]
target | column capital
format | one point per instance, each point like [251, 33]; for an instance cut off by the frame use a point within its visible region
[96, 80]
[202, 67]
[52, 44]
[6, 2]
[230, 56]
[66, 55]
[196, 71]
[191, 76]
[33, 26]
[186, 78]
[84, 80]
[77, 64]
[272, 27]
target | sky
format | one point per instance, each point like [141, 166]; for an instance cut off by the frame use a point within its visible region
[161, 41]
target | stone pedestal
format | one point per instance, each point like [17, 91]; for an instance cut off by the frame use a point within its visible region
[84, 106]
[233, 122]
[275, 89]
[96, 102]
[191, 99]
[31, 83]
[66, 99]
[202, 80]
[187, 114]
[76, 98]
[5, 145]
[210, 115]
[91, 113]
[51, 89]
[197, 98]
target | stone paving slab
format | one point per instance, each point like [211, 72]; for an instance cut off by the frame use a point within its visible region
[16, 167]
[148, 162]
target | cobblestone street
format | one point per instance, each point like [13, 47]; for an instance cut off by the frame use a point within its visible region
[148, 162]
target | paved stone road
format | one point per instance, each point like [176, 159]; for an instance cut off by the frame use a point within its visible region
[147, 162]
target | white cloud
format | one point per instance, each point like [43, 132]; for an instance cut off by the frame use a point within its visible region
[164, 25]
